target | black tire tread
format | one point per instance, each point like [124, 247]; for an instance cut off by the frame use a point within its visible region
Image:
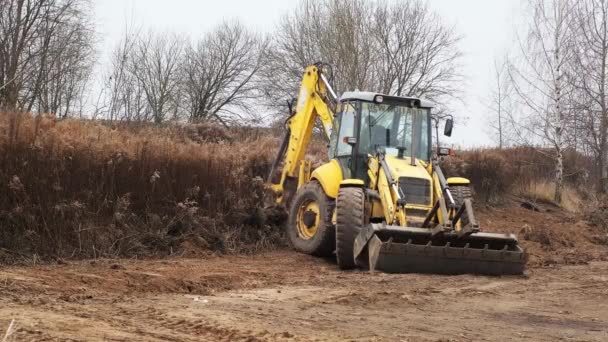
[350, 220]
[460, 193]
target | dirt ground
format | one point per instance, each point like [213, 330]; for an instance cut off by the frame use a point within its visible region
[284, 296]
[550, 236]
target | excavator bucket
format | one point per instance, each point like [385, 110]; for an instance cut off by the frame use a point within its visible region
[395, 249]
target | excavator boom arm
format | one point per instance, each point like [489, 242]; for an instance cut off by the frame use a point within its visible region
[315, 100]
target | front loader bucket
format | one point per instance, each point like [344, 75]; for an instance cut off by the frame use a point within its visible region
[394, 249]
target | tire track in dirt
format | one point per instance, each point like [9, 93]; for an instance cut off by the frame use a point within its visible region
[284, 296]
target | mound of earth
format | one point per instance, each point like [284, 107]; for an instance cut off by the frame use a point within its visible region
[550, 235]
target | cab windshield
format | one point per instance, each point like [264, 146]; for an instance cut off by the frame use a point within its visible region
[391, 127]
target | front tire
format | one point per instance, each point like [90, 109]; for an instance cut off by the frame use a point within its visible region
[350, 212]
[310, 229]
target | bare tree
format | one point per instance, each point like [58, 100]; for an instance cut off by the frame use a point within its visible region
[218, 73]
[591, 81]
[540, 81]
[37, 38]
[336, 32]
[500, 104]
[65, 67]
[399, 48]
[124, 96]
[155, 66]
[20, 22]
[416, 54]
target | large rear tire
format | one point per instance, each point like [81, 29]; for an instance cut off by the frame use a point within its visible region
[460, 193]
[310, 229]
[350, 212]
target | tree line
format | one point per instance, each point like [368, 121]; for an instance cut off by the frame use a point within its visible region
[231, 74]
[46, 55]
[551, 91]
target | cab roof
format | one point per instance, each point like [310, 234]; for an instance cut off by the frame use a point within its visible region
[369, 97]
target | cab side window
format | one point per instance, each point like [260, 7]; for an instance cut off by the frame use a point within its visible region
[346, 129]
[333, 141]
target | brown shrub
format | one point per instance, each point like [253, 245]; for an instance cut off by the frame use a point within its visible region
[597, 212]
[87, 189]
[83, 188]
[523, 171]
[488, 171]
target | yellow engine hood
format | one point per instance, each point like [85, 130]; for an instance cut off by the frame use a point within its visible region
[401, 167]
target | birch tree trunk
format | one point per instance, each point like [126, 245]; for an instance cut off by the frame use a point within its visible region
[558, 114]
[590, 81]
[541, 83]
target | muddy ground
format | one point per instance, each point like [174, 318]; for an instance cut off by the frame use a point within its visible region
[285, 296]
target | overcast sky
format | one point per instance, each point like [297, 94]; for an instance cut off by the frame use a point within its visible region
[487, 28]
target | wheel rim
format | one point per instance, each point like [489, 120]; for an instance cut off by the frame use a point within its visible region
[308, 219]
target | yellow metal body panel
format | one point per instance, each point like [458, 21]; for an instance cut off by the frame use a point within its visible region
[458, 181]
[437, 194]
[404, 168]
[352, 182]
[372, 172]
[387, 197]
[377, 209]
[304, 176]
[330, 177]
[398, 167]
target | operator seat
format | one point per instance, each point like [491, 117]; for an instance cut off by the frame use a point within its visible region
[378, 135]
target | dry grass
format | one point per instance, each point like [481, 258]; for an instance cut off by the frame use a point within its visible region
[9, 331]
[543, 191]
[82, 189]
[597, 213]
[526, 171]
[85, 189]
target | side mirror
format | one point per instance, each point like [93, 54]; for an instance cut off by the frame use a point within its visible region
[449, 125]
[352, 141]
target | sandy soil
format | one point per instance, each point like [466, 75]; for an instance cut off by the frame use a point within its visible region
[285, 296]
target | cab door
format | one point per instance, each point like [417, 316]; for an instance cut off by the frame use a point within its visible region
[345, 126]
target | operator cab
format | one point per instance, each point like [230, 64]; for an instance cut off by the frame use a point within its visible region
[368, 123]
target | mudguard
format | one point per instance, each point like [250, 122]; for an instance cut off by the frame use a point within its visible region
[330, 177]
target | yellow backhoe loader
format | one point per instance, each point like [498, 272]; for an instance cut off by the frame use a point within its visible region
[381, 202]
